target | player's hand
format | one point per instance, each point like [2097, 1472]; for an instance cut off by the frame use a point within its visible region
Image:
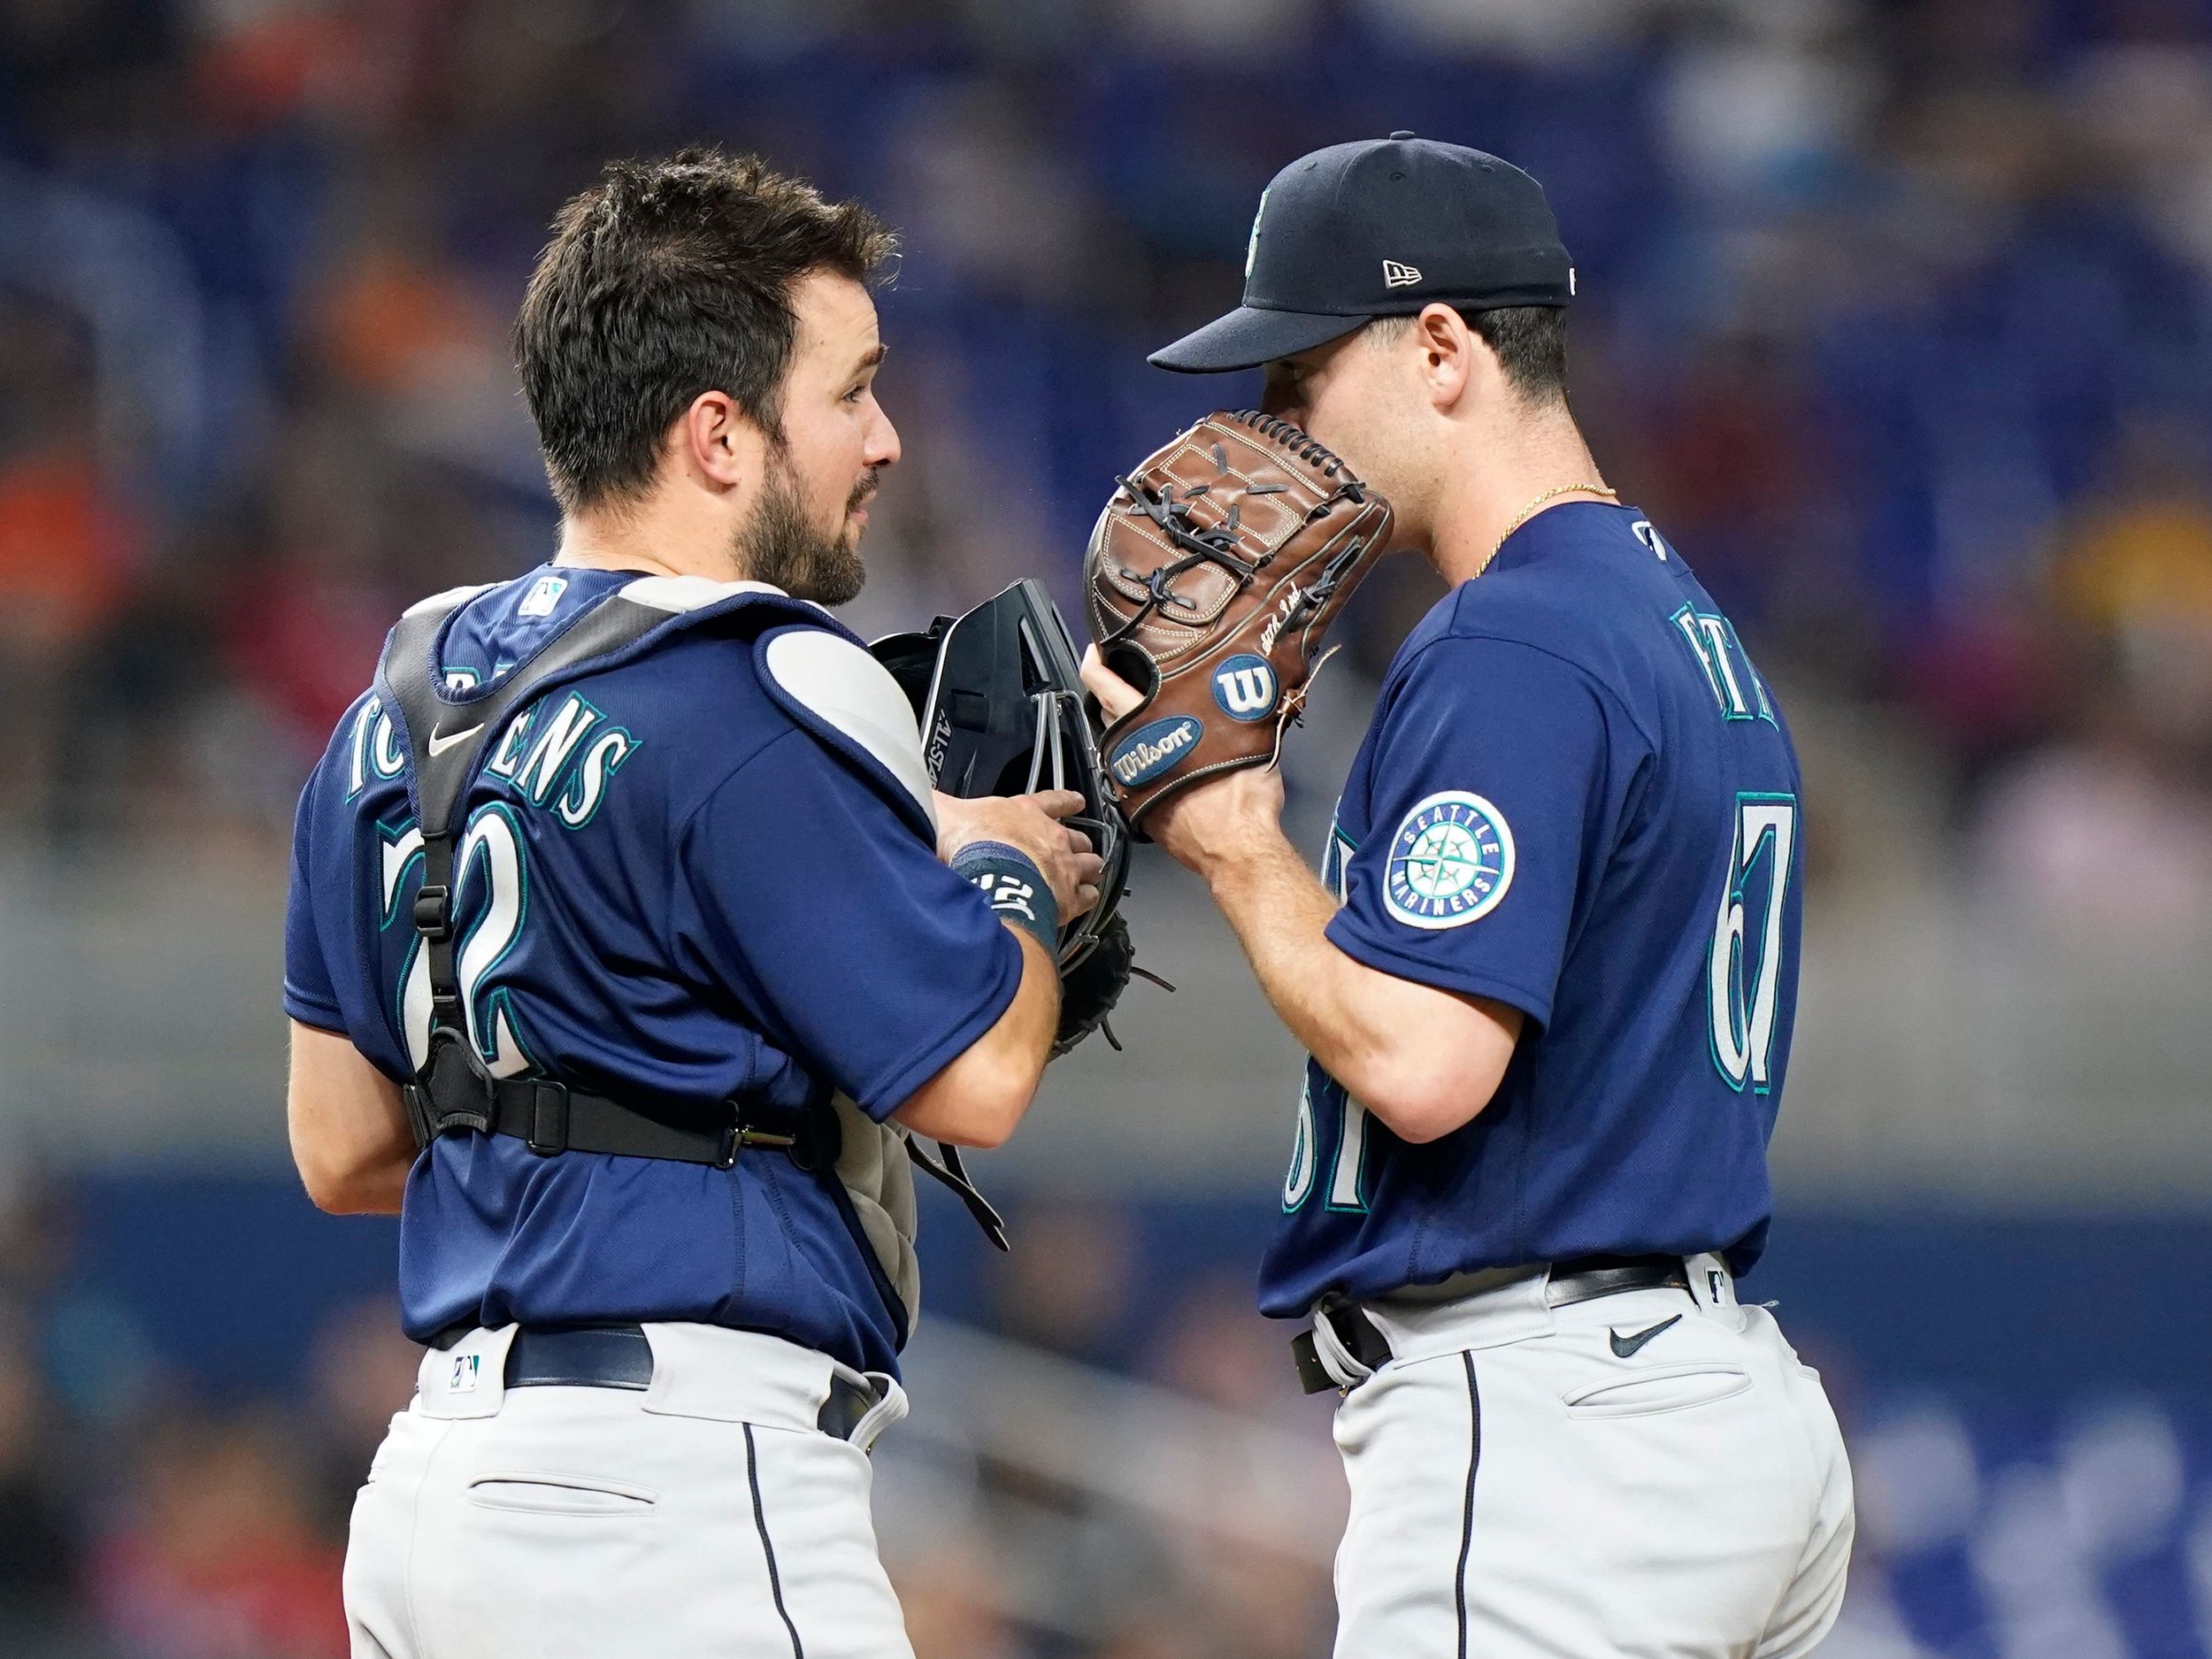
[1221, 821]
[1214, 820]
[1115, 694]
[1030, 824]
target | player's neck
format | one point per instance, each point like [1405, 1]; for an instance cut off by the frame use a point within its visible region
[1501, 479]
[655, 536]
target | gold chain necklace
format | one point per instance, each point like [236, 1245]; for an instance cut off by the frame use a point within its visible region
[1529, 511]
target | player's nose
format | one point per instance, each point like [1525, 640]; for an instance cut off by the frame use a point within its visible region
[883, 448]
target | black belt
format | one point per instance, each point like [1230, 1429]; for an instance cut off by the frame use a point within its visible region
[620, 1357]
[551, 1118]
[1583, 1280]
[548, 1118]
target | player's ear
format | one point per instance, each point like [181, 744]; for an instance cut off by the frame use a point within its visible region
[1449, 354]
[717, 442]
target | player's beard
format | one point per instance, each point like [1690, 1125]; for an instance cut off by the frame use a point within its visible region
[779, 544]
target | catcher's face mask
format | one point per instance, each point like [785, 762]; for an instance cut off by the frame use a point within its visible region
[999, 703]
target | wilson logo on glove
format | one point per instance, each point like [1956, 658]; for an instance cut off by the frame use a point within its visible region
[1213, 574]
[1245, 688]
[1151, 750]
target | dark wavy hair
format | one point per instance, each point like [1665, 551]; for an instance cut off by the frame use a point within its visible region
[665, 279]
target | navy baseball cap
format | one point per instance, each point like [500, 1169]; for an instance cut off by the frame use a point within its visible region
[1380, 229]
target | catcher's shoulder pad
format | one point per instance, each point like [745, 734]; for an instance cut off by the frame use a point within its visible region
[451, 599]
[678, 595]
[826, 681]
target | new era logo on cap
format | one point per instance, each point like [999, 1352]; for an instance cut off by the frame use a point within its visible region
[1399, 276]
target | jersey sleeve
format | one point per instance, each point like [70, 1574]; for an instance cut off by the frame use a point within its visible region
[802, 884]
[1492, 793]
[310, 996]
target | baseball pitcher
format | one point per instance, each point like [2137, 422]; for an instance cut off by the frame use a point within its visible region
[627, 941]
[1548, 973]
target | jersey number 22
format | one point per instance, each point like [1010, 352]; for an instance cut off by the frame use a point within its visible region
[491, 853]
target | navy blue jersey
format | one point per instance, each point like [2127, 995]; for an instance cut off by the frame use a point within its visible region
[675, 887]
[1577, 797]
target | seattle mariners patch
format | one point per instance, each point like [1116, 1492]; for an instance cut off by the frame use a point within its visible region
[1450, 861]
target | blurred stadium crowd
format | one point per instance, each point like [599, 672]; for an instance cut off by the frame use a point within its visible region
[1896, 317]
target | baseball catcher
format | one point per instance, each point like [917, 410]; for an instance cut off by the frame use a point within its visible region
[631, 955]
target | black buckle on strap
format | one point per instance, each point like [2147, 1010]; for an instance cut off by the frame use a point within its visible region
[738, 1134]
[549, 1118]
[433, 912]
[448, 1094]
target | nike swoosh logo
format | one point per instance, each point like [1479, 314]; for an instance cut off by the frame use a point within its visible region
[1628, 1347]
[440, 742]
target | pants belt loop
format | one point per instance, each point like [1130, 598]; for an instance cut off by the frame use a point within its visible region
[1344, 1368]
[890, 1408]
[1711, 1284]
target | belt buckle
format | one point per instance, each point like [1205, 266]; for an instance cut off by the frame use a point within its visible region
[549, 1118]
[737, 1134]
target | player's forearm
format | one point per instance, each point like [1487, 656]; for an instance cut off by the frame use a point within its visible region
[980, 1096]
[348, 1132]
[1423, 1061]
[1281, 914]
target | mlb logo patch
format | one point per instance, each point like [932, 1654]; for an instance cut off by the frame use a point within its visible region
[544, 594]
[466, 1370]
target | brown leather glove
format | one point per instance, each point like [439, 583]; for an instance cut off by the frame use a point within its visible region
[1212, 576]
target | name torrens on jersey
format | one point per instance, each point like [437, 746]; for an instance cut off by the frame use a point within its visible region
[560, 754]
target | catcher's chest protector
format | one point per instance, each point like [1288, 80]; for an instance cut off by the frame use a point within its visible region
[1213, 574]
[875, 1167]
[822, 676]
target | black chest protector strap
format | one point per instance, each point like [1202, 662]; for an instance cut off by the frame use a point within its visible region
[446, 741]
